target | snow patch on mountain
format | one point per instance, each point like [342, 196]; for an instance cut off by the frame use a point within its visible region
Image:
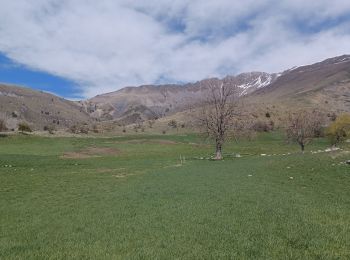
[261, 81]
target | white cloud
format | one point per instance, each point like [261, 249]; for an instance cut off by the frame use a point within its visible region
[107, 44]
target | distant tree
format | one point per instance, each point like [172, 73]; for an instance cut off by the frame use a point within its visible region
[73, 129]
[139, 126]
[151, 123]
[339, 130]
[303, 126]
[24, 127]
[172, 124]
[217, 112]
[2, 125]
[50, 128]
[333, 116]
[84, 128]
[3, 121]
[95, 128]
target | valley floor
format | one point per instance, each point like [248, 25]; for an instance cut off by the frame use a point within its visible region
[132, 198]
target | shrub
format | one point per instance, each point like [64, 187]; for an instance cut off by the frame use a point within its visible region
[139, 126]
[95, 129]
[24, 127]
[73, 129]
[261, 126]
[84, 129]
[151, 123]
[267, 115]
[3, 125]
[49, 128]
[14, 114]
[79, 129]
[172, 123]
[339, 130]
[332, 116]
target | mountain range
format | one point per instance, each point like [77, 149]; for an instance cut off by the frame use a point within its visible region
[324, 85]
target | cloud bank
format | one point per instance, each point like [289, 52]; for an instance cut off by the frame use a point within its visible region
[108, 44]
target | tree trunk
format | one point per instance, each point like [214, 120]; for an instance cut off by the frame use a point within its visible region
[218, 152]
[302, 147]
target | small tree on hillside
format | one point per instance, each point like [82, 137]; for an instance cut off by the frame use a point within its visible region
[24, 127]
[3, 121]
[302, 127]
[217, 113]
[173, 124]
[2, 125]
[151, 123]
[339, 130]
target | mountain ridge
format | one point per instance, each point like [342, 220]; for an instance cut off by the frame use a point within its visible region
[324, 85]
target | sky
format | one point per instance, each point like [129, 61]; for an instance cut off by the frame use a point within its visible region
[81, 48]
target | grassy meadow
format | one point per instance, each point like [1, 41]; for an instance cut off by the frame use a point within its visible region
[131, 197]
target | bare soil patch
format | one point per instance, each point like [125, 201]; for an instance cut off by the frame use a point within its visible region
[146, 141]
[91, 152]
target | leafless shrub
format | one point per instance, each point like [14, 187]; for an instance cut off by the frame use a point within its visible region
[50, 128]
[263, 126]
[151, 123]
[172, 124]
[24, 127]
[3, 122]
[79, 129]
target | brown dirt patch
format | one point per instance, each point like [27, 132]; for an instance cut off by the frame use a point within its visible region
[146, 141]
[90, 152]
[165, 142]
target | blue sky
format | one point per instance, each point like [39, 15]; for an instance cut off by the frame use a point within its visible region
[17, 74]
[81, 48]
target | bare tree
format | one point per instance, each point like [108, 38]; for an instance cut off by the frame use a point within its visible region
[217, 113]
[303, 126]
[3, 122]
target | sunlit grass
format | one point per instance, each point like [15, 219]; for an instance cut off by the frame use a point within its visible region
[142, 203]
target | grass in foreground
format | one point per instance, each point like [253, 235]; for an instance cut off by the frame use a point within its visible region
[132, 199]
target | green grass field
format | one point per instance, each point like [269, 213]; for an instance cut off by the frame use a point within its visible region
[131, 198]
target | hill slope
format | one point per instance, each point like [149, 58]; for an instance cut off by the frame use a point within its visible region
[324, 84]
[38, 108]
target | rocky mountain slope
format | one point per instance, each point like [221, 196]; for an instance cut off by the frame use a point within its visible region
[324, 85]
[37, 108]
[152, 101]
